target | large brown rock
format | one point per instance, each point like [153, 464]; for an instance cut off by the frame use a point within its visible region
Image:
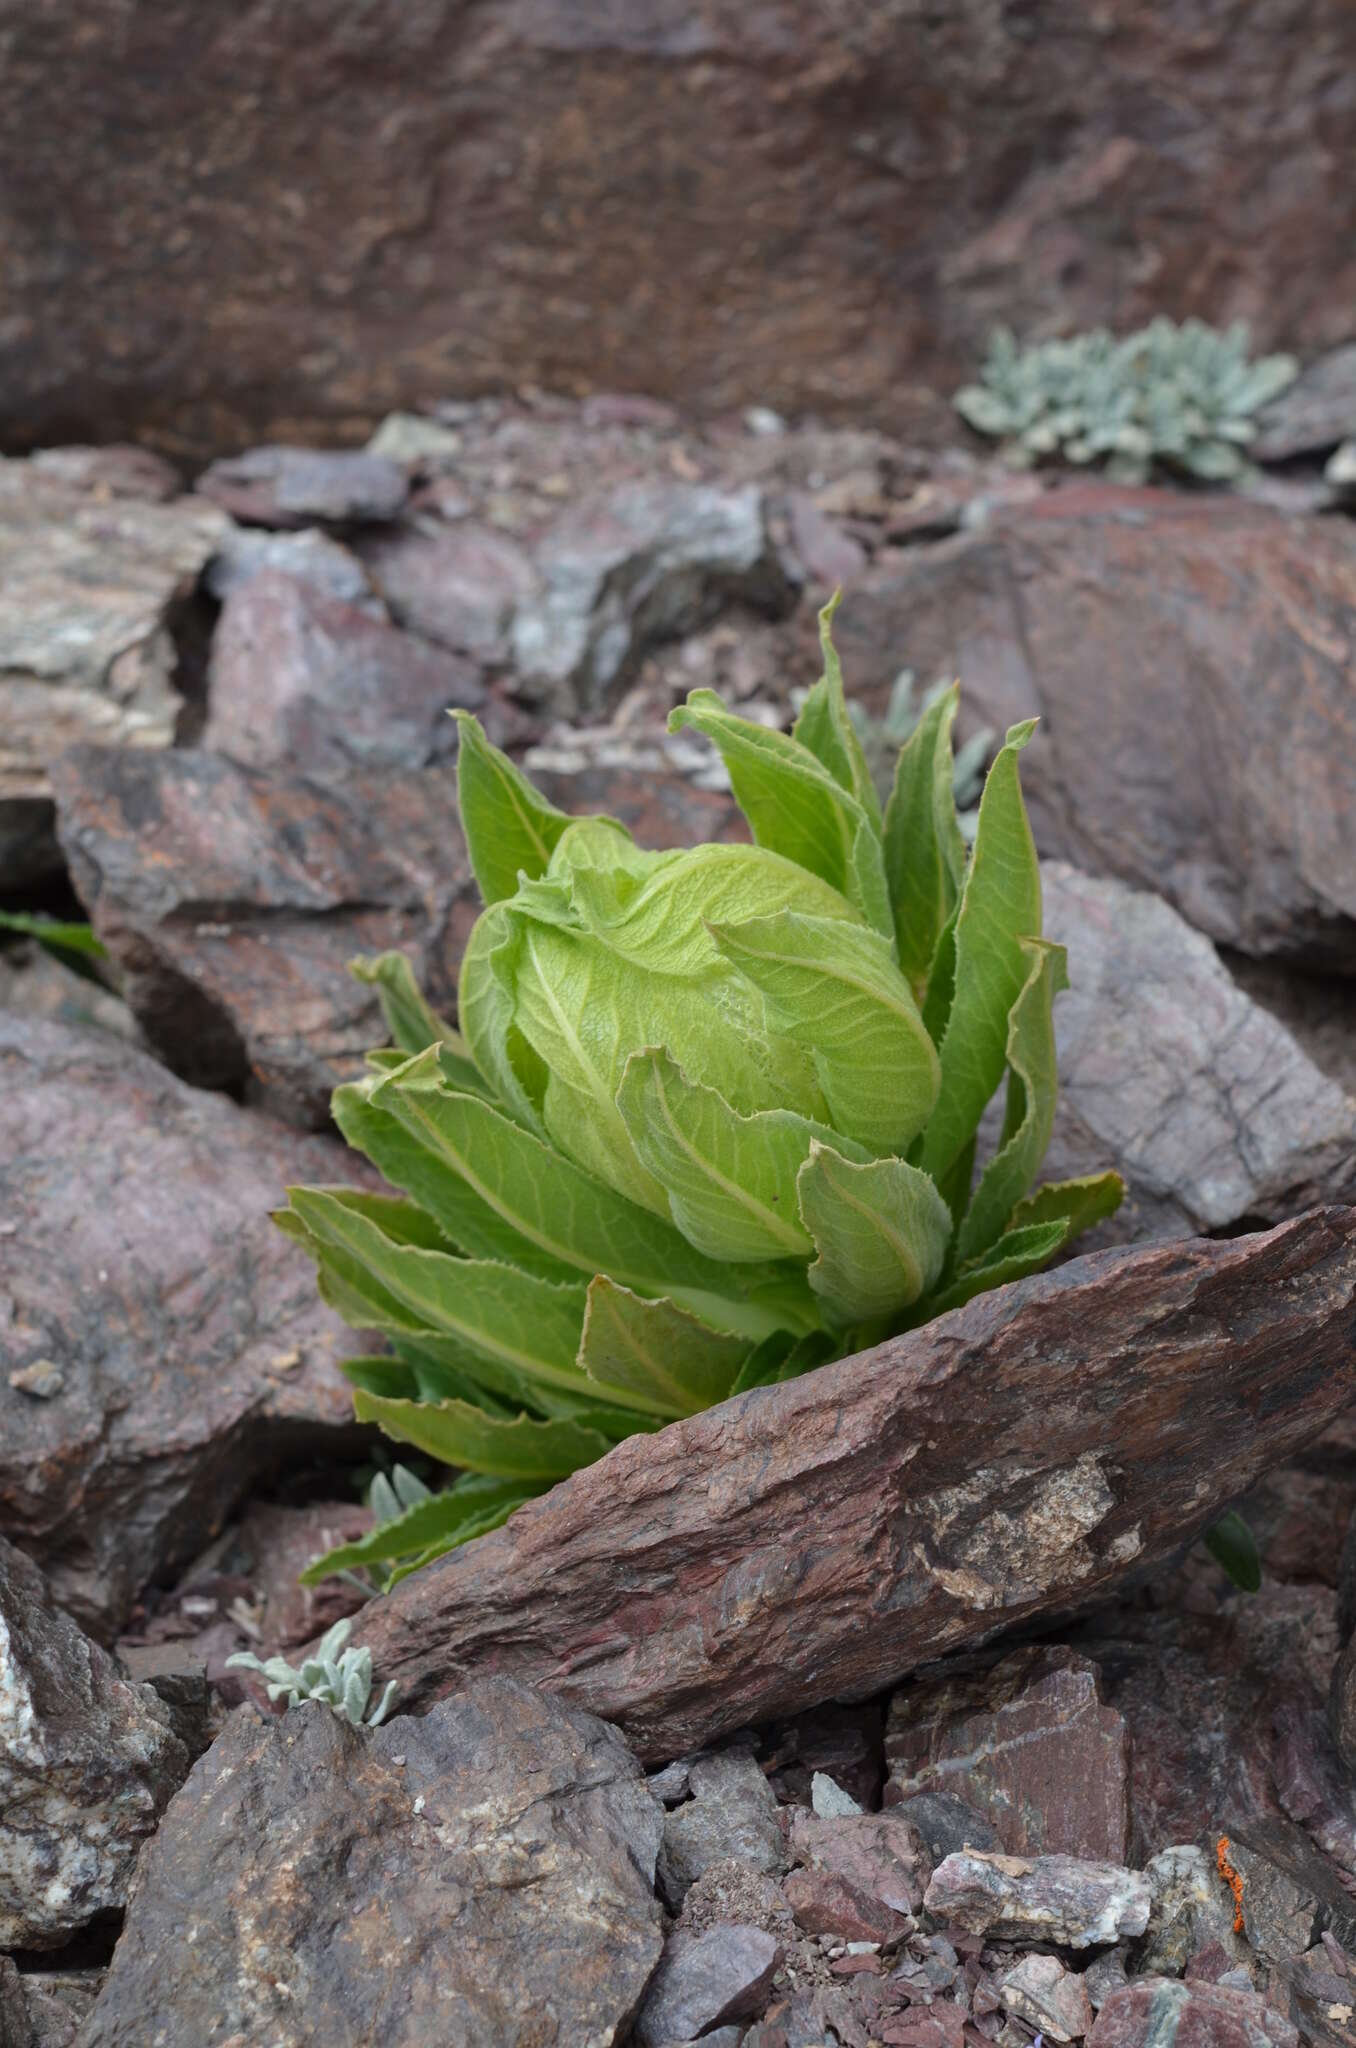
[481, 1876]
[87, 1764]
[1193, 663]
[232, 900]
[191, 1355]
[91, 586]
[323, 212]
[1025, 1454]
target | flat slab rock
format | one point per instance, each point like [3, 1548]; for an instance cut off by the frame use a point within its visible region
[87, 1764]
[1026, 1453]
[1071, 1901]
[1191, 659]
[1194, 2015]
[483, 1875]
[190, 1350]
[233, 899]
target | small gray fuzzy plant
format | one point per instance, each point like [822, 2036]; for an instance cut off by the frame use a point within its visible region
[339, 1677]
[1183, 398]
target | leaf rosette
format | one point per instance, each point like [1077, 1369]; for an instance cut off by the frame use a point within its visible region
[710, 1117]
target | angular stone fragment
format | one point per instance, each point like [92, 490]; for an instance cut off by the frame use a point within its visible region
[458, 585]
[169, 1325]
[87, 1764]
[233, 899]
[644, 563]
[1290, 1892]
[1314, 413]
[1191, 661]
[1322, 2002]
[1068, 1900]
[285, 486]
[1192, 1911]
[308, 556]
[826, 1903]
[89, 594]
[703, 1980]
[1024, 1454]
[1202, 1100]
[1029, 1743]
[501, 1849]
[946, 1823]
[304, 681]
[1155, 2009]
[114, 470]
[732, 1813]
[881, 1854]
[1040, 1990]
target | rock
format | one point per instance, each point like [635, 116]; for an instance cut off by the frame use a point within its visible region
[825, 1903]
[1191, 660]
[1342, 1706]
[1192, 1912]
[376, 207]
[838, 1745]
[1025, 1454]
[91, 593]
[1290, 1893]
[648, 562]
[1029, 1743]
[703, 1980]
[313, 685]
[87, 1765]
[1203, 1100]
[169, 1325]
[33, 2014]
[273, 1545]
[946, 1823]
[829, 1800]
[732, 1814]
[824, 553]
[232, 900]
[1316, 1010]
[1314, 413]
[292, 487]
[457, 585]
[307, 556]
[1068, 1900]
[1105, 1974]
[1155, 2009]
[35, 984]
[1040, 1990]
[415, 440]
[119, 470]
[303, 1854]
[1322, 2002]
[880, 1854]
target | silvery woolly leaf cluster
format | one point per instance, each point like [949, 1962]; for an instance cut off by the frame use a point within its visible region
[338, 1677]
[1183, 397]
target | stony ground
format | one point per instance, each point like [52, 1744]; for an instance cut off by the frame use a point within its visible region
[1082, 1787]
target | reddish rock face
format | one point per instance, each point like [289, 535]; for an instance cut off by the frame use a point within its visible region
[1193, 2015]
[1025, 1454]
[329, 211]
[1029, 1743]
[1191, 663]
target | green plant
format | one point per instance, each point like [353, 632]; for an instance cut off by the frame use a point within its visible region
[74, 945]
[882, 739]
[714, 1116]
[339, 1677]
[1183, 397]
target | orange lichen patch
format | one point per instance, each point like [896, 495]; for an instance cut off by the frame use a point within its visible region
[1231, 1878]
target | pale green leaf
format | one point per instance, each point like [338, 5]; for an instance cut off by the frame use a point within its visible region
[462, 1510]
[485, 1005]
[835, 989]
[1000, 906]
[825, 727]
[564, 1213]
[924, 850]
[731, 1180]
[881, 1231]
[518, 1447]
[510, 828]
[1017, 1253]
[468, 1222]
[795, 806]
[1030, 1114]
[1077, 1203]
[654, 1353]
[410, 1019]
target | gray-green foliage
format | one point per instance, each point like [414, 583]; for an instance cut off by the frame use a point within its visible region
[1182, 396]
[711, 1115]
[336, 1676]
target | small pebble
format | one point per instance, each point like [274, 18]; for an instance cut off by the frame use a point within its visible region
[43, 1379]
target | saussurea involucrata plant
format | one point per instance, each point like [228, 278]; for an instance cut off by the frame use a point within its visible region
[1183, 397]
[710, 1119]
